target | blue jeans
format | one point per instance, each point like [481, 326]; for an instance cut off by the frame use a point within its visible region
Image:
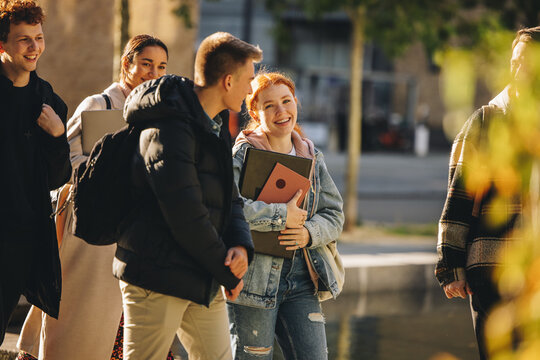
[297, 320]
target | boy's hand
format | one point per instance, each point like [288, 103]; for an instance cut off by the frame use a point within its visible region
[233, 294]
[50, 122]
[237, 261]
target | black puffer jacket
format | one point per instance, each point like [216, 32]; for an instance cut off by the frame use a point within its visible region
[189, 212]
[52, 170]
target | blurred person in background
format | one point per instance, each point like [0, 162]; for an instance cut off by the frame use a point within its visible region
[470, 242]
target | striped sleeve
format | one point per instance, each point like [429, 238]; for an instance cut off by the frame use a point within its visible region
[456, 219]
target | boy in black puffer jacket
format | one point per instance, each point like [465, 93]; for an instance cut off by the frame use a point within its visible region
[35, 159]
[188, 236]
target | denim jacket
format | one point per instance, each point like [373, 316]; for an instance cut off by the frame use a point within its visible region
[325, 223]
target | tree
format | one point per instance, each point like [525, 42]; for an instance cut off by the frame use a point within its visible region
[121, 32]
[394, 25]
[511, 14]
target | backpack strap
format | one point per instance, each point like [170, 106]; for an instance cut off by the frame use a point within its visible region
[107, 100]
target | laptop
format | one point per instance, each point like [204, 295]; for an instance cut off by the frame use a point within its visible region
[96, 123]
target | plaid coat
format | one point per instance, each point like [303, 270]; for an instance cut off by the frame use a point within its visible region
[469, 244]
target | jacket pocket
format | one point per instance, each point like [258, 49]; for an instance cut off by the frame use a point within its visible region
[262, 277]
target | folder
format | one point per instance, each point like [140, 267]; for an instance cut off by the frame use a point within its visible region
[257, 168]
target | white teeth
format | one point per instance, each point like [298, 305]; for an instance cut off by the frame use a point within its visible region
[283, 121]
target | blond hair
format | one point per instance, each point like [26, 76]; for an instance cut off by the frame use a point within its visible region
[220, 54]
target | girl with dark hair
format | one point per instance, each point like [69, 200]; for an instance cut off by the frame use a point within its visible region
[91, 306]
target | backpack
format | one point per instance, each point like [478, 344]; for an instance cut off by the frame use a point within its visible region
[102, 198]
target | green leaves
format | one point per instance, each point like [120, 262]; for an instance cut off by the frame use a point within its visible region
[183, 11]
[393, 24]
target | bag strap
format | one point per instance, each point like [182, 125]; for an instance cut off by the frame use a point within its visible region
[312, 273]
[107, 101]
[63, 200]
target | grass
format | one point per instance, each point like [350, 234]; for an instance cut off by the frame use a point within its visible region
[391, 232]
[413, 229]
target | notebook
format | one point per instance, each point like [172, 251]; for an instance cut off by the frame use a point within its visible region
[96, 123]
[258, 166]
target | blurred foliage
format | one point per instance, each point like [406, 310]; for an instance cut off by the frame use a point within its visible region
[393, 24]
[183, 11]
[462, 67]
[515, 13]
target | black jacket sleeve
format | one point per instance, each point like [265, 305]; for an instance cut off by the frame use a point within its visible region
[56, 150]
[168, 152]
[237, 232]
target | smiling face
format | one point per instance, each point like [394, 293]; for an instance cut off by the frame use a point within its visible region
[276, 110]
[149, 64]
[20, 52]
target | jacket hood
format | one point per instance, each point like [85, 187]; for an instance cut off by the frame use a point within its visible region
[258, 139]
[169, 96]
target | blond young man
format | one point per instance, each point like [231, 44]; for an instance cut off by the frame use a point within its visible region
[188, 236]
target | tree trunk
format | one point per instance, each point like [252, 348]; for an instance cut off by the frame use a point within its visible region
[121, 33]
[357, 16]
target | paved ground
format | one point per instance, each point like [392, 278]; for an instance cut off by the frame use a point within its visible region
[392, 264]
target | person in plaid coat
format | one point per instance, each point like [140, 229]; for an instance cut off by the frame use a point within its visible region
[469, 244]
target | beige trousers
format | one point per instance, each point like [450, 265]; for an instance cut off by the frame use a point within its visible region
[151, 319]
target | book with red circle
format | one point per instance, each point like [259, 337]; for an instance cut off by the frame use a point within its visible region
[282, 185]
